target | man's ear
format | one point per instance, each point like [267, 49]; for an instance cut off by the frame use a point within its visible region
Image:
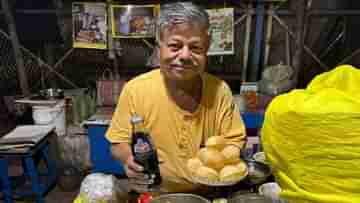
[209, 40]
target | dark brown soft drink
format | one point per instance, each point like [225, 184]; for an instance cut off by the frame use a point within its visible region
[144, 151]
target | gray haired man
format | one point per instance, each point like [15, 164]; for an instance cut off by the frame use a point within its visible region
[181, 104]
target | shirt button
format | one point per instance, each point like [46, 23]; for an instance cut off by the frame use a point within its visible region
[187, 117]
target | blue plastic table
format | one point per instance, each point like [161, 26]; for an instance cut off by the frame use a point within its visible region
[40, 183]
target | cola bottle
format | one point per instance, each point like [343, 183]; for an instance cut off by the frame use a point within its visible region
[143, 150]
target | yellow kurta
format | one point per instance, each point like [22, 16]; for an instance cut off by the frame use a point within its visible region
[177, 134]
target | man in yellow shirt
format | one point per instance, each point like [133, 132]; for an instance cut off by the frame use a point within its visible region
[180, 103]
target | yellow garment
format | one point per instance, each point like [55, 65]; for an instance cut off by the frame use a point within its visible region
[177, 133]
[311, 138]
[81, 198]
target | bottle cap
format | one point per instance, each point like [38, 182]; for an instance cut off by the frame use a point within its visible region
[145, 198]
[136, 119]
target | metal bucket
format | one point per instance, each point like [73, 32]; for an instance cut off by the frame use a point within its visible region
[179, 198]
[249, 198]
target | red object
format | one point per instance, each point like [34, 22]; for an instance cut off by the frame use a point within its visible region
[109, 89]
[145, 198]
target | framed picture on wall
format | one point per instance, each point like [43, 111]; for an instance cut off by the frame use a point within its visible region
[133, 21]
[222, 31]
[89, 25]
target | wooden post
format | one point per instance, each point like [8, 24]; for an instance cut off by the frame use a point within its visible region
[247, 42]
[112, 53]
[258, 44]
[269, 29]
[16, 47]
[288, 49]
[49, 58]
[300, 6]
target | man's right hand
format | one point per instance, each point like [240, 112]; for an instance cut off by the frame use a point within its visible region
[137, 179]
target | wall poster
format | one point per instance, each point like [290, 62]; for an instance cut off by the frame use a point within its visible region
[222, 31]
[133, 21]
[89, 25]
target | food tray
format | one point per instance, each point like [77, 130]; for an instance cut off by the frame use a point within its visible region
[217, 183]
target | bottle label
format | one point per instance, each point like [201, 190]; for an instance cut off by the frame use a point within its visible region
[141, 146]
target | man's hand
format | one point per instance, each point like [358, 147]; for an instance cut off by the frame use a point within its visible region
[137, 179]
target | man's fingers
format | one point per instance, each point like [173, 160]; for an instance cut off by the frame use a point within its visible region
[133, 165]
[139, 188]
[133, 169]
[136, 167]
[134, 174]
[145, 188]
[141, 181]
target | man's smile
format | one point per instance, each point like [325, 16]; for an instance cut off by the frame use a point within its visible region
[181, 67]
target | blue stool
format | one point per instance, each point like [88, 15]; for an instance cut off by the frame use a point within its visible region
[12, 186]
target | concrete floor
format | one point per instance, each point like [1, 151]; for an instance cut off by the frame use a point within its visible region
[56, 195]
[59, 196]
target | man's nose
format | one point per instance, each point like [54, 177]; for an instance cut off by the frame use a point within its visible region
[185, 53]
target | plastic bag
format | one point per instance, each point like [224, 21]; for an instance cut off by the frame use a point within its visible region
[75, 148]
[269, 87]
[109, 88]
[276, 79]
[97, 188]
[278, 73]
[311, 138]
[80, 106]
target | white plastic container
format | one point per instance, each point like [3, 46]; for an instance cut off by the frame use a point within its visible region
[271, 190]
[55, 115]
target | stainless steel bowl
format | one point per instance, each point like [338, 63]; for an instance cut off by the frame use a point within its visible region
[179, 198]
[258, 172]
[249, 198]
[52, 93]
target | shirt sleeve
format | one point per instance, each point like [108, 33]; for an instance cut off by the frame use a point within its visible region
[231, 125]
[120, 127]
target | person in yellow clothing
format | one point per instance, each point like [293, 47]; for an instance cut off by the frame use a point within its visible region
[311, 138]
[180, 103]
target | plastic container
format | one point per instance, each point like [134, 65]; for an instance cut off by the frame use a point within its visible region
[271, 190]
[46, 115]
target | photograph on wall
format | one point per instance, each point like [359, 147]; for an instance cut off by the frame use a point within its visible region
[132, 21]
[89, 25]
[222, 31]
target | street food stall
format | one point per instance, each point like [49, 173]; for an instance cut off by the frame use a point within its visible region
[302, 148]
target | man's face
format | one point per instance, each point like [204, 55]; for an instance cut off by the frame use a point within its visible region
[183, 51]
